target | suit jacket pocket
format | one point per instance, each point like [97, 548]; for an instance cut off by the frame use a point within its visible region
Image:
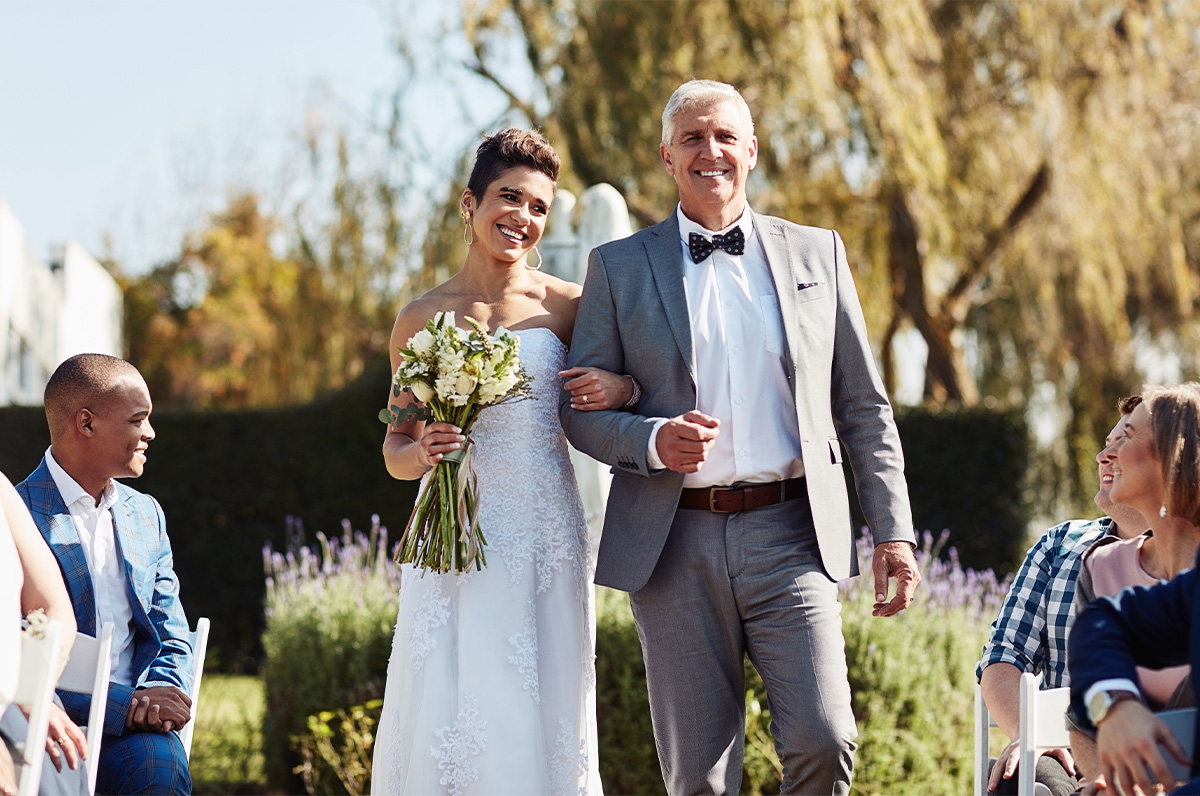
[811, 291]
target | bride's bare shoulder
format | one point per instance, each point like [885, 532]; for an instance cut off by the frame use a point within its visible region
[415, 314]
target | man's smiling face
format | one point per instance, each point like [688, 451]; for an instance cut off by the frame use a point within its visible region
[712, 149]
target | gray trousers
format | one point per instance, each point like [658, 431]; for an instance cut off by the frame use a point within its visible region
[727, 585]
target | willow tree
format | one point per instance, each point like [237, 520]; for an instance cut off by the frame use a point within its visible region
[1017, 182]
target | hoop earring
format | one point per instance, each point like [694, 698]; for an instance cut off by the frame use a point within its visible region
[468, 232]
[537, 267]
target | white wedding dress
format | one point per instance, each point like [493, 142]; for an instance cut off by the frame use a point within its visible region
[492, 680]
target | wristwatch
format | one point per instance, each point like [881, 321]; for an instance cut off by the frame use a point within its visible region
[1102, 702]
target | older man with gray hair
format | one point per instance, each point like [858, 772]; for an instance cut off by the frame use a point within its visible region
[728, 521]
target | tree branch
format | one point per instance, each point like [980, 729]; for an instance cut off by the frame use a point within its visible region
[978, 264]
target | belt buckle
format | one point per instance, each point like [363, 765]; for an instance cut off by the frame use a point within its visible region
[712, 499]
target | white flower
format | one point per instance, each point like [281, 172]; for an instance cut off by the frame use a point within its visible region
[465, 384]
[421, 343]
[421, 391]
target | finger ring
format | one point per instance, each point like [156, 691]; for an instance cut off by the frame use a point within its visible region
[586, 399]
[63, 740]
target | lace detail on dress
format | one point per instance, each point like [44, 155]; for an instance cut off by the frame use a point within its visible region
[465, 739]
[526, 656]
[569, 764]
[514, 441]
[434, 611]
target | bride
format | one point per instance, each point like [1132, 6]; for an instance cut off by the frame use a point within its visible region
[491, 683]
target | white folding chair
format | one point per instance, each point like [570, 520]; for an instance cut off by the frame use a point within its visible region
[35, 690]
[1182, 723]
[199, 639]
[87, 672]
[1043, 726]
[983, 724]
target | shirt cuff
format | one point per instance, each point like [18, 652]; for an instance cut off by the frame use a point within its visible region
[1114, 684]
[652, 460]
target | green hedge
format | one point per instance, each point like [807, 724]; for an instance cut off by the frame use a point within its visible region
[915, 730]
[228, 481]
[967, 472]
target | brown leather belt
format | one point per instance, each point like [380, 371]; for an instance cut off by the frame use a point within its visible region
[728, 499]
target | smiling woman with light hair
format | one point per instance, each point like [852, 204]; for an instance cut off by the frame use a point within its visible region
[1156, 470]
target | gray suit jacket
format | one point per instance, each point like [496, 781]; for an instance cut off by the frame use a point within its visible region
[633, 318]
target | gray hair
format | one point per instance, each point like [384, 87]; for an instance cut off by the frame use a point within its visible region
[700, 92]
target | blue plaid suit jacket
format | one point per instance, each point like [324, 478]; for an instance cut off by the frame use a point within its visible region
[162, 651]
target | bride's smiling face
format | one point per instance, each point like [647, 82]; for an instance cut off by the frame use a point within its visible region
[511, 216]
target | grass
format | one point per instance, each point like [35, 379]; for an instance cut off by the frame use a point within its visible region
[227, 745]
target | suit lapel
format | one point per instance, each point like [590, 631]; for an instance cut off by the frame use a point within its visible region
[783, 273]
[58, 529]
[665, 254]
[133, 553]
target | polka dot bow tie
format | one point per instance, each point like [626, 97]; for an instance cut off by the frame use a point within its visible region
[701, 247]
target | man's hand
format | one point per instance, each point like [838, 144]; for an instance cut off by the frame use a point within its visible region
[159, 708]
[64, 739]
[683, 442]
[1127, 740]
[894, 560]
[1006, 763]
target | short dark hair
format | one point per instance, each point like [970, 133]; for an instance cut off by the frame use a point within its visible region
[82, 380]
[1126, 405]
[508, 148]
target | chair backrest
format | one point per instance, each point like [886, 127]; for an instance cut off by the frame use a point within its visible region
[35, 689]
[983, 725]
[1183, 723]
[199, 639]
[1043, 726]
[87, 672]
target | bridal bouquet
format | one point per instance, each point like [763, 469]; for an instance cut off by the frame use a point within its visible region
[455, 374]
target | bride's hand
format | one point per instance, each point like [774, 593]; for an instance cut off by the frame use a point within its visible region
[593, 388]
[438, 440]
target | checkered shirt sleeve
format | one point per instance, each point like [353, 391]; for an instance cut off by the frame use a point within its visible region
[1031, 631]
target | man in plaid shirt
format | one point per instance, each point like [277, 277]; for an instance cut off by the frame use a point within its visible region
[1030, 634]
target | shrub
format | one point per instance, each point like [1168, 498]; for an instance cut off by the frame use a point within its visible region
[912, 679]
[227, 480]
[330, 615]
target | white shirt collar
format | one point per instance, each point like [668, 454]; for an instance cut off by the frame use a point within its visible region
[687, 226]
[72, 492]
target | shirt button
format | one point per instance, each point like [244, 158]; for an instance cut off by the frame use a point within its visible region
[741, 453]
[735, 350]
[737, 401]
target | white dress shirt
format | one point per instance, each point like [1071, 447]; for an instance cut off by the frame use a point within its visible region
[95, 527]
[740, 364]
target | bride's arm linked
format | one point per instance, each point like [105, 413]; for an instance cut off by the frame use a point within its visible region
[593, 388]
[411, 449]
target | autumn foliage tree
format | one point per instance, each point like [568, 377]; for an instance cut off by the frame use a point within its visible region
[263, 309]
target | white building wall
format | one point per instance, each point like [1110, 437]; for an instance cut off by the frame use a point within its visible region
[49, 311]
[90, 316]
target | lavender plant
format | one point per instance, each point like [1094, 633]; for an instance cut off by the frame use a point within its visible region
[330, 611]
[913, 676]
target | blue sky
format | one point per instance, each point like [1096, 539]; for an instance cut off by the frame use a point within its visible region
[132, 118]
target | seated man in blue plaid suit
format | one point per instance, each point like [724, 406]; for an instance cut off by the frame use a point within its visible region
[111, 544]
